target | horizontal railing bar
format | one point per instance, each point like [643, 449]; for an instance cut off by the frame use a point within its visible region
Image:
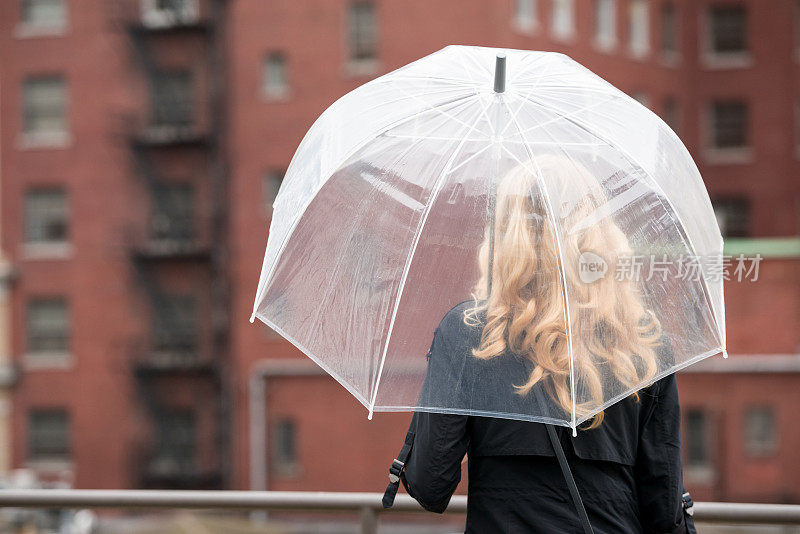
[328, 501]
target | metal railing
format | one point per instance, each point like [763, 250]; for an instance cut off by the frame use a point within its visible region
[367, 504]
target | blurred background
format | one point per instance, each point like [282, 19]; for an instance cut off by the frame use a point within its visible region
[142, 143]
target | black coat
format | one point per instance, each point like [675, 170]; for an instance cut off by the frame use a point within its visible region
[628, 470]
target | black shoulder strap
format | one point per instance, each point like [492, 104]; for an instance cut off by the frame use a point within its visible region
[396, 470]
[573, 488]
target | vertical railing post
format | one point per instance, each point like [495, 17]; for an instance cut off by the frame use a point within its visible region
[369, 520]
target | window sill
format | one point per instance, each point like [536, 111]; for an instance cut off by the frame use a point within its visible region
[44, 140]
[564, 39]
[737, 60]
[700, 474]
[276, 95]
[51, 465]
[47, 361]
[670, 59]
[525, 28]
[359, 68]
[605, 47]
[287, 471]
[33, 31]
[47, 251]
[729, 156]
[639, 55]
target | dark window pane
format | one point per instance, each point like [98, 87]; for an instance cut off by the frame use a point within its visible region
[760, 431]
[668, 28]
[729, 123]
[697, 454]
[672, 114]
[728, 29]
[171, 99]
[176, 440]
[173, 213]
[48, 325]
[275, 83]
[44, 13]
[362, 31]
[271, 185]
[175, 328]
[284, 447]
[48, 434]
[733, 216]
[44, 105]
[46, 216]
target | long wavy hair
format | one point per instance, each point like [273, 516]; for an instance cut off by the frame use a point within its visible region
[612, 334]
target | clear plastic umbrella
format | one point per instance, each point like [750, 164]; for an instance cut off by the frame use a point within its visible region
[545, 202]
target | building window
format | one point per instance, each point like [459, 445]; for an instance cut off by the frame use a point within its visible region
[274, 81]
[760, 433]
[165, 13]
[733, 216]
[173, 213]
[729, 125]
[45, 106]
[562, 19]
[669, 30]
[672, 114]
[44, 14]
[362, 32]
[171, 99]
[727, 29]
[176, 442]
[284, 447]
[639, 28]
[46, 217]
[48, 326]
[525, 16]
[175, 324]
[605, 24]
[271, 184]
[697, 445]
[49, 435]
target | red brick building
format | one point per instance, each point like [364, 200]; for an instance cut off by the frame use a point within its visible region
[141, 142]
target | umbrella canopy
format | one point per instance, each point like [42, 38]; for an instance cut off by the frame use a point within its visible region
[546, 202]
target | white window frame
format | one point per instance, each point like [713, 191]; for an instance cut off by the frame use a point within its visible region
[26, 29]
[46, 138]
[368, 66]
[525, 20]
[723, 155]
[153, 17]
[562, 9]
[605, 18]
[639, 34]
[711, 59]
[269, 88]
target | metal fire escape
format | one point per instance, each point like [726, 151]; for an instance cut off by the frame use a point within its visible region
[185, 345]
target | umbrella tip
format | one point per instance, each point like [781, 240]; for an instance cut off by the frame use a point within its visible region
[574, 432]
[253, 317]
[500, 73]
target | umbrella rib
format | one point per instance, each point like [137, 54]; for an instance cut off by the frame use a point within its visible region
[451, 117]
[420, 227]
[266, 277]
[522, 102]
[633, 161]
[560, 116]
[567, 314]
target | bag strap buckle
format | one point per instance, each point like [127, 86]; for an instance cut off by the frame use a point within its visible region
[688, 503]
